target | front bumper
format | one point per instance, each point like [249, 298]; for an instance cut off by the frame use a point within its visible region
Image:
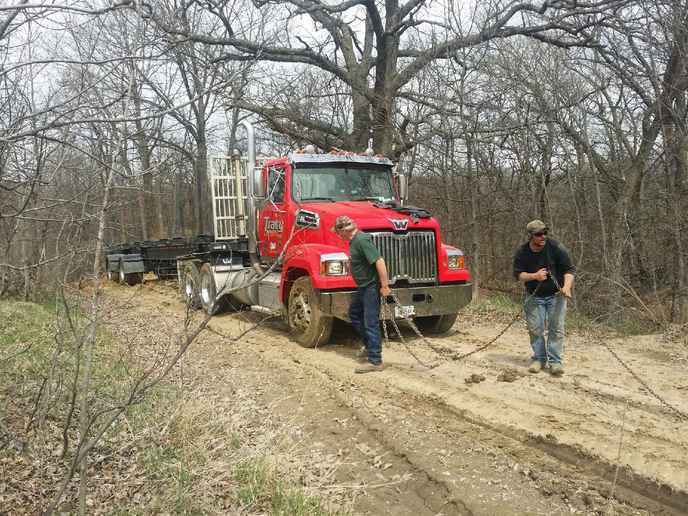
[434, 300]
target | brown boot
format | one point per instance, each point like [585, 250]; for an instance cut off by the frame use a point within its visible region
[535, 367]
[556, 370]
[369, 368]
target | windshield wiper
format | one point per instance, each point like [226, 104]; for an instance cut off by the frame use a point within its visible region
[379, 198]
[327, 199]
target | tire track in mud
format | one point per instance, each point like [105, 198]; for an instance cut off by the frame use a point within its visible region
[632, 488]
[574, 463]
[432, 492]
[419, 463]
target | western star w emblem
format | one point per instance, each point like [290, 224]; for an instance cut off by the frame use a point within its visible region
[399, 224]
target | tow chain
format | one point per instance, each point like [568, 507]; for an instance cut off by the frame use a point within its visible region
[678, 413]
[388, 312]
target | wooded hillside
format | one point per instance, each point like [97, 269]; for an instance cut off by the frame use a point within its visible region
[500, 112]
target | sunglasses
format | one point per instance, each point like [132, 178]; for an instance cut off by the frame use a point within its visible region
[540, 233]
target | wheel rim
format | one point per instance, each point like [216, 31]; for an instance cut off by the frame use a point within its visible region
[189, 287]
[207, 290]
[300, 311]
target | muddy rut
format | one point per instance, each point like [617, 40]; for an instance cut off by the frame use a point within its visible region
[477, 436]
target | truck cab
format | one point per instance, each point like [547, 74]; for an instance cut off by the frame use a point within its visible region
[304, 194]
[273, 248]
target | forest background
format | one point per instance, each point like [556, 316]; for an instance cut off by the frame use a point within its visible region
[499, 112]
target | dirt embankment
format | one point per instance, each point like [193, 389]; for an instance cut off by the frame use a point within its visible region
[477, 436]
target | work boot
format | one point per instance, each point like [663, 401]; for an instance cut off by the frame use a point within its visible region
[556, 369]
[369, 368]
[535, 366]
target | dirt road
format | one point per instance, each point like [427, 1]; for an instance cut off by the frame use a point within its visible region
[419, 441]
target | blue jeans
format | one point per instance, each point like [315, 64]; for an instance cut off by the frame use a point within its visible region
[551, 312]
[364, 313]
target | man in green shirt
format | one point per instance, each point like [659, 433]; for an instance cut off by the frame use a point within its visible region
[370, 275]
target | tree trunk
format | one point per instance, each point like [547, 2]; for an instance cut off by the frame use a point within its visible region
[178, 201]
[474, 188]
[200, 202]
[161, 231]
[677, 148]
[385, 88]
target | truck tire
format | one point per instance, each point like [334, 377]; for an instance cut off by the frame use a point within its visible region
[134, 278]
[308, 325]
[112, 276]
[131, 278]
[191, 288]
[207, 291]
[436, 324]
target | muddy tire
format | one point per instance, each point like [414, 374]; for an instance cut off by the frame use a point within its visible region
[436, 324]
[134, 278]
[308, 325]
[131, 278]
[191, 288]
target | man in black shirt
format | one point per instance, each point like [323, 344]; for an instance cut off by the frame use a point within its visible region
[546, 269]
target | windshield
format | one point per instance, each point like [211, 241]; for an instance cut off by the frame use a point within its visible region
[342, 182]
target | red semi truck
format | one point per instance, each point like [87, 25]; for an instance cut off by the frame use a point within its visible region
[273, 249]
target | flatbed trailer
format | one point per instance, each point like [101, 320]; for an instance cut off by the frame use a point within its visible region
[128, 262]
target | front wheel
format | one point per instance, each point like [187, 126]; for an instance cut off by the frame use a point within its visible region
[309, 326]
[436, 324]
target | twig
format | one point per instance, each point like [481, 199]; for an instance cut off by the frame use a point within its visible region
[618, 459]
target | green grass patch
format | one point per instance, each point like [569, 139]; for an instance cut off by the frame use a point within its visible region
[261, 490]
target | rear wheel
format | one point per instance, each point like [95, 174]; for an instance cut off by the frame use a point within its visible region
[190, 287]
[130, 278]
[436, 324]
[309, 326]
[207, 291]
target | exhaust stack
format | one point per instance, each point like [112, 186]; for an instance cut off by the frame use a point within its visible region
[251, 201]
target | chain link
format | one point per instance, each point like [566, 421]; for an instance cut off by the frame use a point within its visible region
[677, 412]
[388, 311]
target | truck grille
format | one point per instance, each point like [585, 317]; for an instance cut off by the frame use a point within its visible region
[409, 256]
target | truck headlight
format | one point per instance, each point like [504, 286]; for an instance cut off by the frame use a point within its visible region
[334, 264]
[455, 259]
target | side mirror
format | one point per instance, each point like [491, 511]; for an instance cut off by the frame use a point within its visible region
[258, 184]
[403, 187]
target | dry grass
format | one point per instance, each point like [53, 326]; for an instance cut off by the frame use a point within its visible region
[198, 443]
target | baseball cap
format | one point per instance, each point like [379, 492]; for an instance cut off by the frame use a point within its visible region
[343, 223]
[534, 226]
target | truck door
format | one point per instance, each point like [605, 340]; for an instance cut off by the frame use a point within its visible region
[274, 214]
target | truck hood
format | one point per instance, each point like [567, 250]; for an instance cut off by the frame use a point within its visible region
[367, 216]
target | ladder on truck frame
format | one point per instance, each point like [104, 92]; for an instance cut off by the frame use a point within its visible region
[229, 186]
